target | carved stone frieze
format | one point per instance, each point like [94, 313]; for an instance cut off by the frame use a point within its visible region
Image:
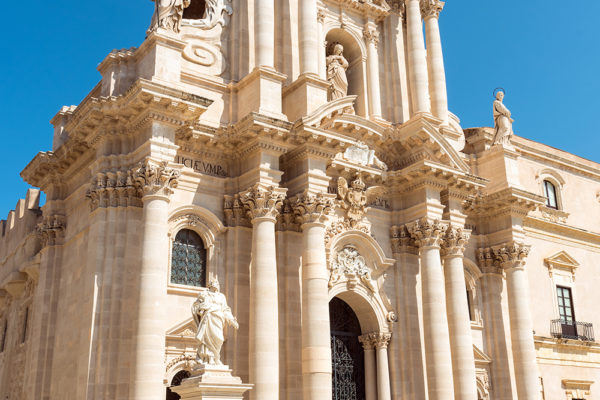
[113, 189]
[350, 264]
[427, 232]
[402, 241]
[431, 8]
[313, 208]
[235, 214]
[52, 230]
[261, 202]
[156, 179]
[455, 241]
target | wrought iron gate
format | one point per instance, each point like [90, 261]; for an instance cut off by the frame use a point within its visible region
[347, 355]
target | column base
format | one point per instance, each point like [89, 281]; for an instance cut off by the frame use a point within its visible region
[260, 92]
[210, 382]
[305, 95]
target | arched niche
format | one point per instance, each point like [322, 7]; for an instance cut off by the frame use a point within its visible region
[356, 73]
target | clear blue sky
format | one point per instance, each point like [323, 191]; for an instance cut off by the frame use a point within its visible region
[546, 55]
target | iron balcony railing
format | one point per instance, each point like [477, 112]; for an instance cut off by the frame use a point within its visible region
[572, 330]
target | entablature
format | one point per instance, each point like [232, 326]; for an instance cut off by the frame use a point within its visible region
[376, 9]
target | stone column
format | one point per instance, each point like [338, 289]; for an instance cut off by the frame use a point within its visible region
[428, 235]
[417, 59]
[322, 44]
[459, 323]
[264, 27]
[263, 205]
[382, 341]
[371, 36]
[156, 181]
[437, 75]
[512, 259]
[312, 212]
[493, 319]
[309, 37]
[370, 374]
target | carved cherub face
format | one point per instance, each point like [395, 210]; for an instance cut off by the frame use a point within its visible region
[338, 50]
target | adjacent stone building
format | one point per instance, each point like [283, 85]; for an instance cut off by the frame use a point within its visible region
[302, 152]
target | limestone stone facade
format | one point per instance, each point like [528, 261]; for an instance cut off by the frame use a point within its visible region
[369, 226]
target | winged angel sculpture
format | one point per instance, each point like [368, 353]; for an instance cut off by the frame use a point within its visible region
[355, 196]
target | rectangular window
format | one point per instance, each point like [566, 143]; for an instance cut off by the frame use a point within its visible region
[566, 311]
[25, 321]
[469, 305]
[550, 195]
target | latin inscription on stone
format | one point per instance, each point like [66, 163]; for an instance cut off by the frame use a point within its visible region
[203, 167]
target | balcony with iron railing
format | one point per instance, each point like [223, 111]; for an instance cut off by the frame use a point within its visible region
[576, 330]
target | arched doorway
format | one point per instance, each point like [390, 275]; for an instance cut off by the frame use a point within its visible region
[176, 381]
[347, 356]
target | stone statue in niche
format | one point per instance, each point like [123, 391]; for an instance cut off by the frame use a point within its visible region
[361, 154]
[502, 121]
[168, 15]
[211, 314]
[214, 14]
[349, 262]
[336, 73]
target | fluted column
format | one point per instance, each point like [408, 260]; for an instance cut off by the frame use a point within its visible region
[417, 59]
[459, 323]
[428, 236]
[263, 205]
[493, 319]
[435, 59]
[370, 372]
[371, 36]
[156, 181]
[309, 39]
[512, 259]
[264, 26]
[382, 340]
[312, 212]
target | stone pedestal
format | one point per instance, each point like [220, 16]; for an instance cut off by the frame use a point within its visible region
[212, 382]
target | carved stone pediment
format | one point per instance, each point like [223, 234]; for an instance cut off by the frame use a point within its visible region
[186, 329]
[561, 262]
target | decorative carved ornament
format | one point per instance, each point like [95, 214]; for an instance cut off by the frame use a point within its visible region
[577, 389]
[113, 189]
[52, 230]
[168, 15]
[355, 196]
[313, 208]
[455, 241]
[235, 215]
[402, 241]
[483, 383]
[561, 261]
[371, 35]
[427, 232]
[217, 12]
[362, 155]
[375, 340]
[261, 202]
[506, 256]
[156, 179]
[349, 263]
[431, 8]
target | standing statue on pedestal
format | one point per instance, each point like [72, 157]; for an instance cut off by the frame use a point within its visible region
[211, 313]
[502, 121]
[168, 15]
[336, 73]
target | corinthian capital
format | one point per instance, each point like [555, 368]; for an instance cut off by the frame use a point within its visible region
[371, 35]
[261, 202]
[313, 208]
[402, 241]
[511, 255]
[427, 233]
[431, 8]
[455, 241]
[156, 179]
[488, 262]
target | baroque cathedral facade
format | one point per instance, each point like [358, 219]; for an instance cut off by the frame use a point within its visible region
[302, 153]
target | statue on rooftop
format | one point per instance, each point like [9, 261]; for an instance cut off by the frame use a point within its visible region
[336, 73]
[211, 313]
[503, 130]
[168, 15]
[215, 13]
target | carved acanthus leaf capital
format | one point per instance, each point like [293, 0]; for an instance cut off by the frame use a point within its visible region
[488, 262]
[113, 189]
[52, 229]
[263, 202]
[371, 35]
[428, 233]
[235, 214]
[375, 340]
[455, 241]
[313, 208]
[511, 255]
[156, 179]
[402, 241]
[431, 8]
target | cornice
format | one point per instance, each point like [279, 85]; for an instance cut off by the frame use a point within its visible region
[562, 232]
[376, 9]
[509, 201]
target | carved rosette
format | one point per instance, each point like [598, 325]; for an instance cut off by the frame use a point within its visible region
[511, 255]
[261, 202]
[431, 8]
[402, 241]
[455, 241]
[371, 35]
[313, 208]
[113, 189]
[52, 230]
[428, 233]
[156, 179]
